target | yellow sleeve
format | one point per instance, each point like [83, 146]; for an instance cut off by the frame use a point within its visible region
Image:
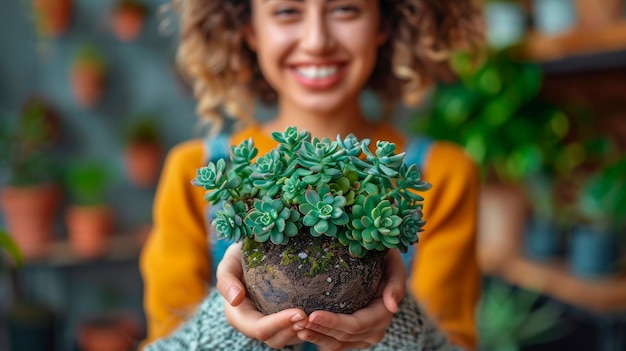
[175, 263]
[445, 274]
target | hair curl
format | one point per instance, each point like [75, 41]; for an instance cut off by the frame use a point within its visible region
[226, 76]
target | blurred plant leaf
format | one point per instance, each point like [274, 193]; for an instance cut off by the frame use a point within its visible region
[11, 247]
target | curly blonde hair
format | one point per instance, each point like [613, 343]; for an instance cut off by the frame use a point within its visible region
[227, 79]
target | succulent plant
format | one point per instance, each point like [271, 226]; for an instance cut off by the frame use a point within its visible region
[340, 189]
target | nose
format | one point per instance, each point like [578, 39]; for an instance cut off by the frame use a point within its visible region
[317, 37]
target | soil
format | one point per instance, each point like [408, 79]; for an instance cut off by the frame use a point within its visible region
[310, 273]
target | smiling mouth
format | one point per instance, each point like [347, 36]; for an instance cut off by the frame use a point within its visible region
[317, 72]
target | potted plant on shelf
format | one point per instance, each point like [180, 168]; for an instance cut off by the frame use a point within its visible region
[88, 75]
[128, 19]
[30, 198]
[494, 111]
[316, 217]
[52, 17]
[601, 206]
[89, 219]
[143, 153]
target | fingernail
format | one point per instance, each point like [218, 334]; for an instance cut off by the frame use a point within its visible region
[232, 294]
[297, 317]
[297, 327]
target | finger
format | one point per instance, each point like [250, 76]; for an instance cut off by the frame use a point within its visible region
[370, 322]
[230, 276]
[276, 330]
[394, 282]
[326, 343]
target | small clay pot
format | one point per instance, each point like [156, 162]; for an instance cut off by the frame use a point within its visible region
[29, 213]
[143, 163]
[311, 274]
[53, 16]
[87, 85]
[127, 22]
[89, 229]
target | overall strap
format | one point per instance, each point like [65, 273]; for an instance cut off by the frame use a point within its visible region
[216, 147]
[417, 150]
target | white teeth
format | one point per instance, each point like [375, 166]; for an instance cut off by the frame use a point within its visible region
[317, 72]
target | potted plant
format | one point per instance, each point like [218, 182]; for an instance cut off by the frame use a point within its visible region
[512, 319]
[494, 111]
[601, 206]
[143, 153]
[89, 219]
[88, 75]
[316, 217]
[127, 20]
[30, 197]
[52, 16]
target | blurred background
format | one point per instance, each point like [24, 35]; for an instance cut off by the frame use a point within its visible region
[90, 102]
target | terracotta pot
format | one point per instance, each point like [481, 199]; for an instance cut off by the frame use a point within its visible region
[127, 23]
[108, 333]
[53, 16]
[503, 214]
[143, 163]
[29, 213]
[87, 85]
[597, 13]
[310, 273]
[89, 229]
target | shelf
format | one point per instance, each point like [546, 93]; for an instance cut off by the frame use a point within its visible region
[122, 248]
[604, 46]
[602, 295]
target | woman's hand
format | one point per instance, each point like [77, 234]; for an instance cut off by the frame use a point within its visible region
[276, 330]
[367, 326]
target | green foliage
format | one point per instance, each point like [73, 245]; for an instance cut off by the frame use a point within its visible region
[509, 319]
[334, 188]
[495, 113]
[143, 130]
[86, 181]
[602, 198]
[91, 56]
[25, 146]
[9, 245]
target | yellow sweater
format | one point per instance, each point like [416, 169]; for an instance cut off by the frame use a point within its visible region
[176, 266]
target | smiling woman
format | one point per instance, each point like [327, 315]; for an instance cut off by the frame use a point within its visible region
[313, 59]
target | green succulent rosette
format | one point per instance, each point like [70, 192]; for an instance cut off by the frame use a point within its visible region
[367, 200]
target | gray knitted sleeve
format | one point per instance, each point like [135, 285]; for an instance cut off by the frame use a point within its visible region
[410, 330]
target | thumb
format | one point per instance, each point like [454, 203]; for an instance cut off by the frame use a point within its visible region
[230, 276]
[395, 282]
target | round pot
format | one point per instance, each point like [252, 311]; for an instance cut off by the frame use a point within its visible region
[89, 229]
[552, 17]
[592, 253]
[87, 85]
[29, 214]
[143, 163]
[53, 16]
[127, 23]
[542, 239]
[503, 212]
[311, 274]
